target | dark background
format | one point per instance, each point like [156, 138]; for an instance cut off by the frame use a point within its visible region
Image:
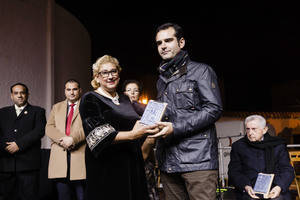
[253, 48]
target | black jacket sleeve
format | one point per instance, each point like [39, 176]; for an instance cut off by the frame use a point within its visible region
[235, 170]
[99, 133]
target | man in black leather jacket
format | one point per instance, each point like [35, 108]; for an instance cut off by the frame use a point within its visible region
[187, 149]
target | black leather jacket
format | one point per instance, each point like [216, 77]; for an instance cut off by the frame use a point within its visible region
[194, 105]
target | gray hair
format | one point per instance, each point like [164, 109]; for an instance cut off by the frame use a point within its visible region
[261, 120]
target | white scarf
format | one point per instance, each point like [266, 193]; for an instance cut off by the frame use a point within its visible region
[114, 99]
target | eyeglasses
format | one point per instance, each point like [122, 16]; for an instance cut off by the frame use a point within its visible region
[135, 90]
[105, 74]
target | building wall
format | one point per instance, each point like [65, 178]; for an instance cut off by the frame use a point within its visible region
[22, 49]
[42, 45]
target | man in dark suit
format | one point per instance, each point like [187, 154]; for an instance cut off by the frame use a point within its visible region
[21, 128]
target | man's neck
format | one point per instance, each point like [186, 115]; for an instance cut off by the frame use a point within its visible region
[23, 106]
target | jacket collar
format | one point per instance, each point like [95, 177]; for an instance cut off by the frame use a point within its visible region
[76, 111]
[25, 111]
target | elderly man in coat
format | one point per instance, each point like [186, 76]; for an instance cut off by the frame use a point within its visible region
[258, 152]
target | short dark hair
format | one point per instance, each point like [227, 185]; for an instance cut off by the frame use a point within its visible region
[22, 84]
[126, 82]
[72, 80]
[178, 30]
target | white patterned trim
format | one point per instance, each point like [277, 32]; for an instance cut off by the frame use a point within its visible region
[98, 134]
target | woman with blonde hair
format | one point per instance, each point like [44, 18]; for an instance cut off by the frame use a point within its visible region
[114, 162]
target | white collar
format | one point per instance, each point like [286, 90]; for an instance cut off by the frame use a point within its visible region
[114, 99]
[21, 108]
[69, 103]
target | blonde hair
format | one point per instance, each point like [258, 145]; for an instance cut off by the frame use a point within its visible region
[97, 66]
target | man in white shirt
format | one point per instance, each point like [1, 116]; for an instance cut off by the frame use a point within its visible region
[67, 161]
[21, 128]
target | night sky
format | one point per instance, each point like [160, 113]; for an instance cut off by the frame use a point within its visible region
[252, 48]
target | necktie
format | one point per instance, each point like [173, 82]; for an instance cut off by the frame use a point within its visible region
[69, 119]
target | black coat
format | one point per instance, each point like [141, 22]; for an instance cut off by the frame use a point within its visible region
[194, 105]
[246, 162]
[114, 170]
[26, 130]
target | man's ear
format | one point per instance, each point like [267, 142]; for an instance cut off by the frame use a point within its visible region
[181, 43]
[266, 129]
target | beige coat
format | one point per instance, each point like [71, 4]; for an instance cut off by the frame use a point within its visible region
[55, 129]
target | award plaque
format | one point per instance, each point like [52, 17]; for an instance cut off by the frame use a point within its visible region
[263, 184]
[153, 112]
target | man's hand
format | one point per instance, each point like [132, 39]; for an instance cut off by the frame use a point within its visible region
[166, 128]
[66, 142]
[139, 130]
[12, 147]
[275, 192]
[250, 192]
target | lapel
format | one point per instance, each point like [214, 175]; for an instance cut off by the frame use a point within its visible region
[12, 112]
[62, 112]
[64, 109]
[25, 111]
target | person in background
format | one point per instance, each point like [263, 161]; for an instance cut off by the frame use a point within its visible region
[22, 126]
[67, 161]
[133, 89]
[114, 162]
[187, 150]
[258, 152]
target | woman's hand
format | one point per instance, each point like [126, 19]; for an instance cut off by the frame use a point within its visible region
[139, 130]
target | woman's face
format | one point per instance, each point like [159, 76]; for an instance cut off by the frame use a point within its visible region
[108, 77]
[132, 91]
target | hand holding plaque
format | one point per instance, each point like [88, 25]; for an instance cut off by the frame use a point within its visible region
[263, 184]
[153, 112]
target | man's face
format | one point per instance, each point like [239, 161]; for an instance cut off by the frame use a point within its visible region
[19, 95]
[254, 130]
[72, 92]
[167, 44]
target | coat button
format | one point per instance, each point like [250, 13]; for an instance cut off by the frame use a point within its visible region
[190, 89]
[166, 118]
[16, 130]
[166, 93]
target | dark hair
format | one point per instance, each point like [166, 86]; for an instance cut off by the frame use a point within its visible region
[22, 84]
[178, 30]
[72, 81]
[126, 82]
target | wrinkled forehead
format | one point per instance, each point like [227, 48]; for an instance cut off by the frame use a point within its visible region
[255, 123]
